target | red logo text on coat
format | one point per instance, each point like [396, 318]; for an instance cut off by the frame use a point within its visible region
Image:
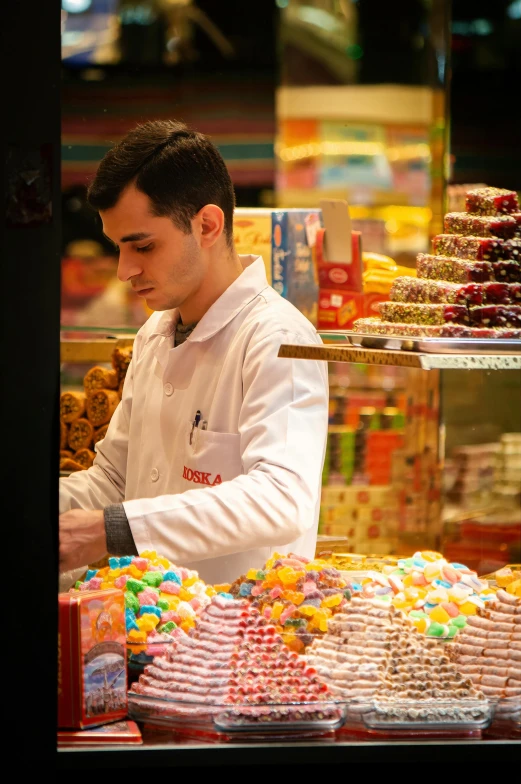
[201, 477]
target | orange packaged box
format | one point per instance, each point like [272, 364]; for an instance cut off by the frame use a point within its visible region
[92, 659]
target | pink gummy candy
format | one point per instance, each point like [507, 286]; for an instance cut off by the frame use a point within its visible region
[277, 591]
[156, 568]
[195, 603]
[451, 608]
[256, 590]
[95, 583]
[140, 563]
[169, 586]
[170, 615]
[147, 597]
[418, 579]
[449, 574]
[121, 581]
[184, 574]
[267, 612]
[86, 586]
[286, 614]
[308, 587]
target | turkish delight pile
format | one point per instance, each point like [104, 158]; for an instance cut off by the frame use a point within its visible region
[234, 657]
[489, 650]
[162, 600]
[373, 657]
[470, 287]
[295, 594]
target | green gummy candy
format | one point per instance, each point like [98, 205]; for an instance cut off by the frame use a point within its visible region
[131, 601]
[136, 586]
[398, 572]
[77, 584]
[418, 614]
[260, 575]
[453, 630]
[460, 621]
[163, 604]
[435, 629]
[153, 579]
[295, 622]
[168, 627]
[347, 593]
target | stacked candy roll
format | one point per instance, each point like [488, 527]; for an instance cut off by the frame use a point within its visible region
[470, 286]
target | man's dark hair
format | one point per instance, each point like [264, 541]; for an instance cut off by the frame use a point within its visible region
[180, 171]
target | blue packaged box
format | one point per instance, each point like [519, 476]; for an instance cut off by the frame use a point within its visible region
[293, 264]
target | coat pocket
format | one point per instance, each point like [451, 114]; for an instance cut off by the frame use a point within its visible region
[212, 458]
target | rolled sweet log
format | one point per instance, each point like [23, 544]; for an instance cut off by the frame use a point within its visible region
[100, 378]
[81, 433]
[101, 404]
[72, 406]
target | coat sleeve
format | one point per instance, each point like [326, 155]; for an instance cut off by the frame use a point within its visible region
[283, 432]
[104, 482]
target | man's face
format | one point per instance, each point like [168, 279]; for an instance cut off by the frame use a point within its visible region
[163, 264]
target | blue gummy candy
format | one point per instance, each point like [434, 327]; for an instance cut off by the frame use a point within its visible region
[356, 587]
[114, 563]
[90, 574]
[429, 606]
[225, 595]
[442, 583]
[125, 560]
[130, 620]
[245, 589]
[172, 577]
[458, 566]
[150, 608]
[418, 562]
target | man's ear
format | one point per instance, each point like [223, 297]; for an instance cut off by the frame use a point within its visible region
[208, 225]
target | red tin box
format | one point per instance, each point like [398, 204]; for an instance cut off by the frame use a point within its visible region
[92, 659]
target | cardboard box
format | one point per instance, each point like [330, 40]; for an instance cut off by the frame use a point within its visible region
[339, 309]
[252, 232]
[92, 658]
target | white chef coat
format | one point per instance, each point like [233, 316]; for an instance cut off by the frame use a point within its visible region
[250, 483]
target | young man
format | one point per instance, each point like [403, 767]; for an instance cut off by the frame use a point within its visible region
[214, 456]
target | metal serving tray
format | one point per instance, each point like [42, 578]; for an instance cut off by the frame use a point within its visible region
[424, 345]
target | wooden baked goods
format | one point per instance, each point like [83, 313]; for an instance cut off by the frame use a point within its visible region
[100, 378]
[81, 433]
[101, 404]
[72, 406]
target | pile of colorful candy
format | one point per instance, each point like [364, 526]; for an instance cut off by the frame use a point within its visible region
[296, 595]
[438, 596]
[509, 578]
[162, 600]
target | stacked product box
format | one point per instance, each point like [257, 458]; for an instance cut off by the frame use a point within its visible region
[474, 481]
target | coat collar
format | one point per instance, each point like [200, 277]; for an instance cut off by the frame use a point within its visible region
[241, 292]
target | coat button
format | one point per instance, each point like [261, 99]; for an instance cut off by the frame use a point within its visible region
[154, 475]
[168, 389]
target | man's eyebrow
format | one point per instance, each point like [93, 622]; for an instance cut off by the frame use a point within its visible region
[139, 235]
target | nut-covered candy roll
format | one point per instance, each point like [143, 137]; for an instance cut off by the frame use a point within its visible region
[101, 404]
[72, 406]
[121, 360]
[100, 433]
[64, 435]
[69, 464]
[85, 457]
[81, 434]
[100, 378]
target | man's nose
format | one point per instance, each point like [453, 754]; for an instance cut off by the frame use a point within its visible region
[129, 265]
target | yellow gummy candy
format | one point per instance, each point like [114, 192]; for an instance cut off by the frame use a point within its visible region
[135, 636]
[105, 584]
[103, 572]
[430, 555]
[295, 597]
[407, 581]
[277, 610]
[220, 588]
[440, 615]
[190, 581]
[468, 608]
[420, 623]
[332, 601]
[251, 574]
[151, 554]
[147, 622]
[210, 591]
[431, 571]
[113, 574]
[184, 595]
[187, 625]
[514, 588]
[287, 575]
[163, 562]
[308, 609]
[400, 602]
[134, 572]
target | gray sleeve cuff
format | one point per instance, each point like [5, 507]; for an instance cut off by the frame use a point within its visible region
[119, 535]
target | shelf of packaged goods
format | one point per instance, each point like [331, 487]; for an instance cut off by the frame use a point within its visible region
[92, 349]
[401, 358]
